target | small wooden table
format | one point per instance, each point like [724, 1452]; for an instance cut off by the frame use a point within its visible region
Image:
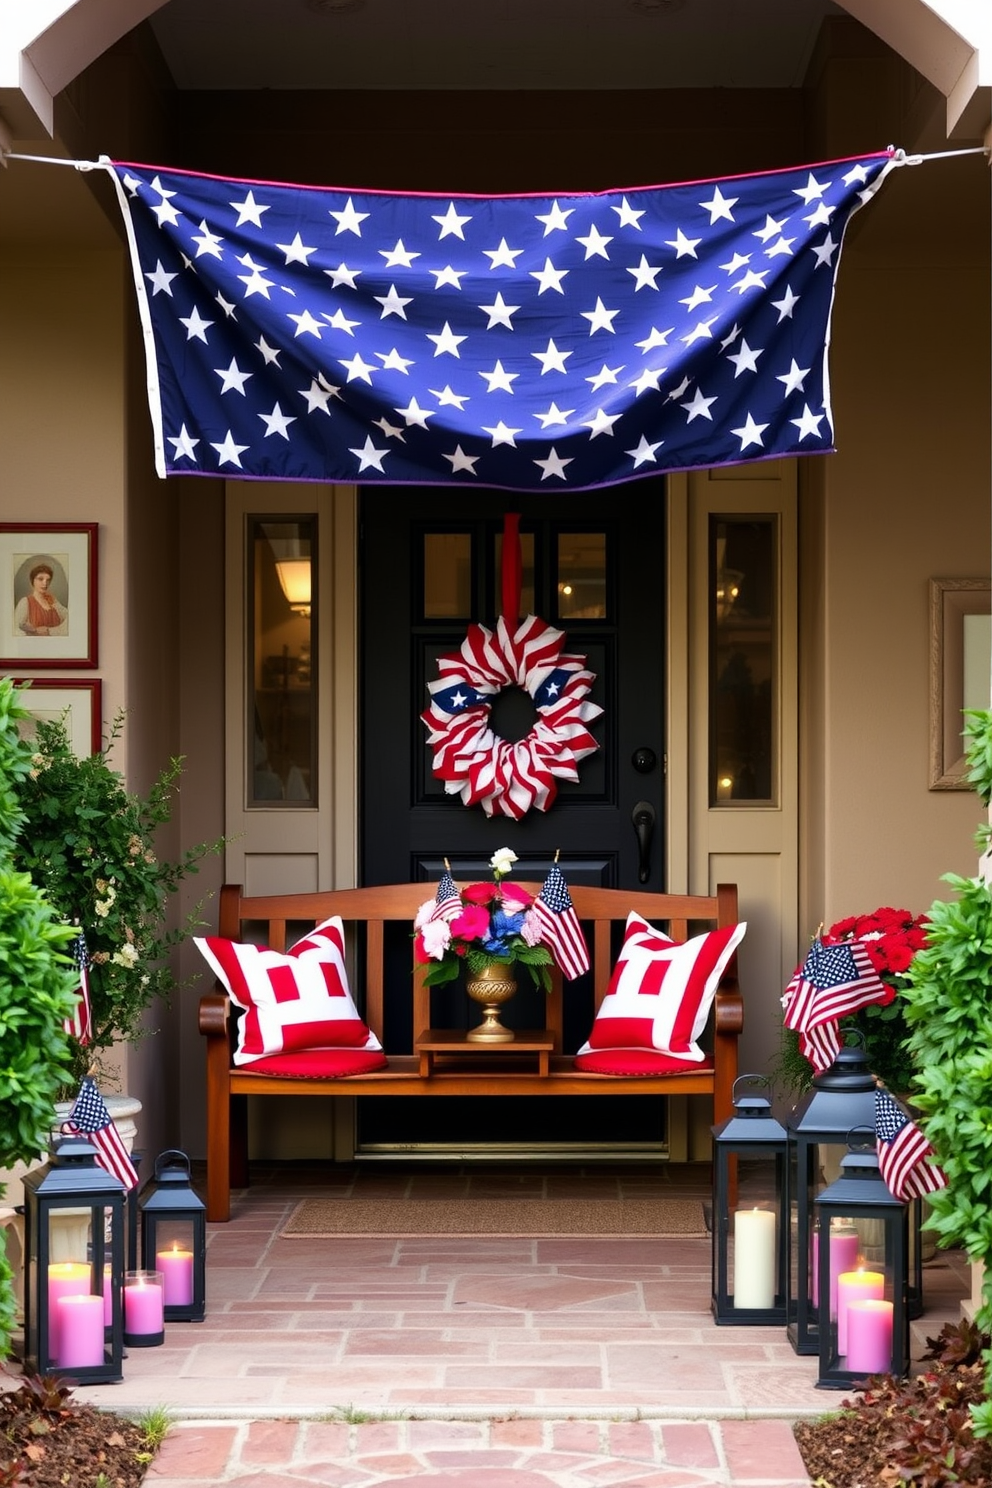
[455, 1042]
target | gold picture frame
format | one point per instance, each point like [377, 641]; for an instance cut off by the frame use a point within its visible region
[960, 671]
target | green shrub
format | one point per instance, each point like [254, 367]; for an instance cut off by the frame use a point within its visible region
[89, 844]
[37, 989]
[949, 1011]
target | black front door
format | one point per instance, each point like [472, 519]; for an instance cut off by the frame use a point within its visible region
[593, 567]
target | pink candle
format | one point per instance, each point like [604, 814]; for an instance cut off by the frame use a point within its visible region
[65, 1279]
[869, 1336]
[108, 1297]
[844, 1245]
[143, 1304]
[80, 1332]
[176, 1267]
[855, 1286]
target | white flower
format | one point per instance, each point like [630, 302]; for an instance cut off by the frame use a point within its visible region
[102, 907]
[502, 861]
[127, 956]
[436, 938]
[423, 914]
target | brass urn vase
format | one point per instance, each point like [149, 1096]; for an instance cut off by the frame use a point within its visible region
[491, 988]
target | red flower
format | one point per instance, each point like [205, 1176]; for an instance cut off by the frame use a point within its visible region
[480, 893]
[419, 954]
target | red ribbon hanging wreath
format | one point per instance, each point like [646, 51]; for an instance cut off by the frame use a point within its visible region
[474, 762]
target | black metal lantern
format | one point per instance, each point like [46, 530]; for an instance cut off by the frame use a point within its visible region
[864, 1313]
[72, 1306]
[841, 1099]
[174, 1237]
[750, 1246]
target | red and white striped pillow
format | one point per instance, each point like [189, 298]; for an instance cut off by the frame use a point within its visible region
[661, 991]
[291, 1002]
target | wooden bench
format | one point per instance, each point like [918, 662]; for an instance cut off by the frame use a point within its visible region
[366, 913]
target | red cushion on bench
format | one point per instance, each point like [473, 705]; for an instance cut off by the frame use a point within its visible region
[636, 1062]
[319, 1064]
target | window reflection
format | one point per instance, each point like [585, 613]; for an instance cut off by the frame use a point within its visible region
[581, 576]
[447, 575]
[743, 649]
[282, 702]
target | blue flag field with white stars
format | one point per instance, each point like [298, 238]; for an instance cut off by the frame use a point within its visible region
[529, 343]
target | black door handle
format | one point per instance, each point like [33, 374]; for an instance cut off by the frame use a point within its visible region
[643, 816]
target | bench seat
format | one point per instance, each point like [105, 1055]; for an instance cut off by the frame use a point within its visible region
[366, 912]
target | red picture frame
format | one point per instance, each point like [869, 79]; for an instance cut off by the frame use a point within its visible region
[81, 698]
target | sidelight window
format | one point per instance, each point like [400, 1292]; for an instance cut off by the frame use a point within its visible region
[282, 712]
[743, 671]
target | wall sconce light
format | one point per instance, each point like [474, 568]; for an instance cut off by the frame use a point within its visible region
[294, 579]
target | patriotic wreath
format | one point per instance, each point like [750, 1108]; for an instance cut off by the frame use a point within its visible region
[474, 762]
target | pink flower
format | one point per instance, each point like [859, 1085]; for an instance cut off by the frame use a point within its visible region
[514, 897]
[436, 938]
[530, 930]
[471, 924]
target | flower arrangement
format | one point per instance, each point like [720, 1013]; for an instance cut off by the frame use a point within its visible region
[891, 938]
[89, 846]
[483, 924]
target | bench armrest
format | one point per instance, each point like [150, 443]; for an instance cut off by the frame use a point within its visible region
[215, 1011]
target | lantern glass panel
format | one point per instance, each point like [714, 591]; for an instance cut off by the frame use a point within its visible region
[868, 1328]
[750, 1271]
[74, 1262]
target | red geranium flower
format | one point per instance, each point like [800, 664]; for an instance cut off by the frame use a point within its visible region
[480, 893]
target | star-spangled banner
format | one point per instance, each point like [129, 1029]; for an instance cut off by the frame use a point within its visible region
[532, 343]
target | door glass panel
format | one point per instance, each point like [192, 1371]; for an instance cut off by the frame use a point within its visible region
[743, 699]
[282, 709]
[581, 593]
[528, 603]
[447, 575]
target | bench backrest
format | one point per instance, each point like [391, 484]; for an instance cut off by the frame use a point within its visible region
[266, 918]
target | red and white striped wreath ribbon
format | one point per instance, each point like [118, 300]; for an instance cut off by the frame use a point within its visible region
[475, 763]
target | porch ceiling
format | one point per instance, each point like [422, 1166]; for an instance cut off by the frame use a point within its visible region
[459, 44]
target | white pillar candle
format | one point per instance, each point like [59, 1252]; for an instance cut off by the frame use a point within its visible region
[754, 1258]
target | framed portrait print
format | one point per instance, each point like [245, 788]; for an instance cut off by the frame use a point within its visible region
[48, 595]
[76, 702]
[960, 671]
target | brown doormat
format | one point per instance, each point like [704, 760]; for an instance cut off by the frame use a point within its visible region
[455, 1217]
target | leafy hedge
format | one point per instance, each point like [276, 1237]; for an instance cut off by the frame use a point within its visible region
[949, 1011]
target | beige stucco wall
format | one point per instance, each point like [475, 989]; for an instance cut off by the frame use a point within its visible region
[906, 497]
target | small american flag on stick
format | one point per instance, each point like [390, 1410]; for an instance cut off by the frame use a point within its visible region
[904, 1153]
[78, 1025]
[90, 1118]
[833, 981]
[560, 928]
[447, 900]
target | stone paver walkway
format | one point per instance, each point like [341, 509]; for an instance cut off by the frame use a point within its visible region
[511, 1453]
[489, 1362]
